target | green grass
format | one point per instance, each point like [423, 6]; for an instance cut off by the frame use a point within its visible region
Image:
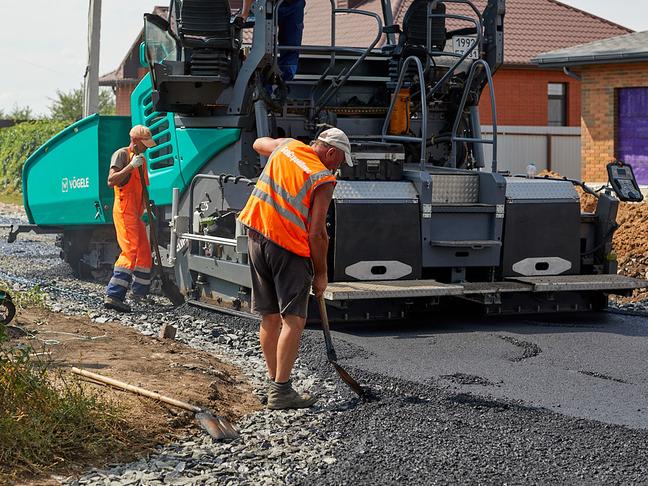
[49, 421]
[22, 299]
[11, 198]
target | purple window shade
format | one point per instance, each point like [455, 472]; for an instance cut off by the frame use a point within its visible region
[632, 130]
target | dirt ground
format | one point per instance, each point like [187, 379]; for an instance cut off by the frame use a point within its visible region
[630, 242]
[164, 366]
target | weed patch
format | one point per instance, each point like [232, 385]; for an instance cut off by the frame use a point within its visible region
[49, 420]
[14, 198]
[23, 299]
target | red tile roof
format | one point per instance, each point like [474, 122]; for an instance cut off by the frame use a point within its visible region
[530, 26]
[535, 26]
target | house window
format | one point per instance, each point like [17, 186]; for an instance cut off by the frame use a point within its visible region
[557, 104]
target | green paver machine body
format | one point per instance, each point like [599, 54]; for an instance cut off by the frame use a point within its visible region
[420, 220]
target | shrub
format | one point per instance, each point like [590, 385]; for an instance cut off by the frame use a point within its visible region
[50, 421]
[17, 143]
[33, 297]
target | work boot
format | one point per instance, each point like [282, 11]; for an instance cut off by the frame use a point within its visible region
[142, 299]
[283, 395]
[116, 304]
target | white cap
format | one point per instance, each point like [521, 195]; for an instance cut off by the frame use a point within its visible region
[338, 139]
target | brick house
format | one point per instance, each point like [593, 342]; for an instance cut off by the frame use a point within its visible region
[524, 91]
[614, 93]
[129, 72]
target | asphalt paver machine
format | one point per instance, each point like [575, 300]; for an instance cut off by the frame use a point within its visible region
[424, 218]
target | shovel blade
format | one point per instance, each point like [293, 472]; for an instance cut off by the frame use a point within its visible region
[346, 378]
[217, 427]
[172, 292]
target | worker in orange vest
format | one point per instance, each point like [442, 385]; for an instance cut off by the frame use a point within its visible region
[288, 245]
[134, 263]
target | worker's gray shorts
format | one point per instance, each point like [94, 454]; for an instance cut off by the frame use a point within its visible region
[281, 280]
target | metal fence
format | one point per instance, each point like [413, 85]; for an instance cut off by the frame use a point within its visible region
[552, 148]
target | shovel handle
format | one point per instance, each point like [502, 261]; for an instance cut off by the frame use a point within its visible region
[330, 350]
[149, 213]
[136, 389]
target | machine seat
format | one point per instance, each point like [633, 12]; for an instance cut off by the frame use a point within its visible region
[415, 26]
[211, 43]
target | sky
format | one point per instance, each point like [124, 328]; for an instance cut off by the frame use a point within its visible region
[43, 43]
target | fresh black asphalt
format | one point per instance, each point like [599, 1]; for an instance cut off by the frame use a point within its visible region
[540, 400]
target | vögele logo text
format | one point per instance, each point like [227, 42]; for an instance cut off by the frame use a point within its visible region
[74, 183]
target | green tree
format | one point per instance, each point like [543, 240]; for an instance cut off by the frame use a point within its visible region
[68, 105]
[17, 113]
[20, 113]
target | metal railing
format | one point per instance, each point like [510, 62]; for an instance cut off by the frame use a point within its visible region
[424, 120]
[478, 42]
[342, 77]
[462, 104]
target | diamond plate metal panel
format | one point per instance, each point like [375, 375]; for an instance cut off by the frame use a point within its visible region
[562, 283]
[480, 288]
[375, 190]
[389, 289]
[455, 188]
[528, 189]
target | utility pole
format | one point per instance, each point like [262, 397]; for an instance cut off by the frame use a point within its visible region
[91, 81]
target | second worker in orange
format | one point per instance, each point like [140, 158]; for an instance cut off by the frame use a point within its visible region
[288, 245]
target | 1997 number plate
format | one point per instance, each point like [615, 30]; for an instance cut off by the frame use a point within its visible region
[461, 43]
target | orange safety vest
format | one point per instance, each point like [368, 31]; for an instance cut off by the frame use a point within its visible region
[280, 203]
[129, 197]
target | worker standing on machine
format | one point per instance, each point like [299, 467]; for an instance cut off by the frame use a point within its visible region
[134, 262]
[288, 246]
[290, 20]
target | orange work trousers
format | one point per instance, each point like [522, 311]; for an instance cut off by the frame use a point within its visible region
[135, 261]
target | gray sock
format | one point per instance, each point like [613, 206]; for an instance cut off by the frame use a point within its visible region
[281, 386]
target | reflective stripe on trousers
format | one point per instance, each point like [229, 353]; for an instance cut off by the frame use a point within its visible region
[135, 258]
[119, 283]
[141, 281]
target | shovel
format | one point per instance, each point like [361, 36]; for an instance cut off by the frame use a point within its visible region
[218, 427]
[365, 395]
[169, 289]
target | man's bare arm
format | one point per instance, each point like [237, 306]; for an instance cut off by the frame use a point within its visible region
[318, 237]
[118, 177]
[266, 145]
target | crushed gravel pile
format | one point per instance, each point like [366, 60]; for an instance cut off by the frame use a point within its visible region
[416, 434]
[630, 240]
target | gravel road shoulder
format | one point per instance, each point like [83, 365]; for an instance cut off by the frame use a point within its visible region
[418, 433]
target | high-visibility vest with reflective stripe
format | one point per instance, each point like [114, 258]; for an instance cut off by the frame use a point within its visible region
[280, 203]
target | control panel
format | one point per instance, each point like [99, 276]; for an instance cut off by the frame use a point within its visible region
[623, 181]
